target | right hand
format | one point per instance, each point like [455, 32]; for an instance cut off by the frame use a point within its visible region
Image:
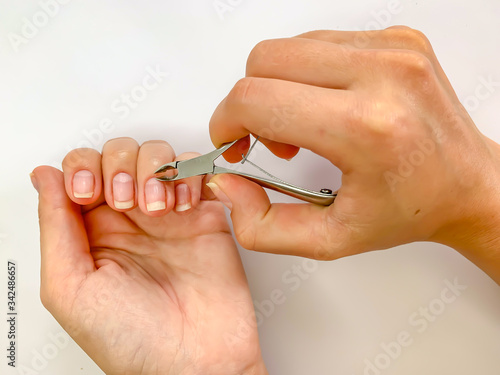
[414, 165]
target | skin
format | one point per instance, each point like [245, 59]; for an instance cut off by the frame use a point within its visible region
[160, 292]
[144, 292]
[378, 106]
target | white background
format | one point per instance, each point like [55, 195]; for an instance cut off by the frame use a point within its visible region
[58, 86]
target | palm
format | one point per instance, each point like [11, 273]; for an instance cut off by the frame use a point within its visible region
[167, 292]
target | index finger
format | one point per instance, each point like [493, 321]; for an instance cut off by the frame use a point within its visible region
[287, 112]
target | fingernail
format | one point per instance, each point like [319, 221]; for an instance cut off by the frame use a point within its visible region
[34, 181]
[83, 184]
[155, 195]
[221, 196]
[123, 191]
[182, 198]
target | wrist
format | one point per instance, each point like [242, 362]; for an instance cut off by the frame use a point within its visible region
[475, 230]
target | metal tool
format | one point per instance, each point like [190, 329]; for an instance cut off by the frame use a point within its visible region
[204, 164]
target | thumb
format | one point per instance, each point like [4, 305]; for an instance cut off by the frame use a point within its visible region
[64, 245]
[293, 229]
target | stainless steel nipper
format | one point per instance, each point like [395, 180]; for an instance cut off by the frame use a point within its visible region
[204, 164]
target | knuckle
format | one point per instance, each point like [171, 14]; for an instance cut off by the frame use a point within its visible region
[336, 238]
[118, 139]
[420, 75]
[120, 149]
[398, 27]
[156, 152]
[325, 244]
[245, 235]
[419, 63]
[397, 123]
[243, 91]
[313, 34]
[410, 70]
[410, 38]
[382, 121]
[418, 40]
[153, 142]
[259, 53]
[77, 157]
[119, 154]
[389, 118]
[411, 64]
[120, 142]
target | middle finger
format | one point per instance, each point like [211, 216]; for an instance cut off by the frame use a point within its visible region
[155, 197]
[308, 61]
[119, 168]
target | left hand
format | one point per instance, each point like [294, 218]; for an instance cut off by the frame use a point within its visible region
[143, 292]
